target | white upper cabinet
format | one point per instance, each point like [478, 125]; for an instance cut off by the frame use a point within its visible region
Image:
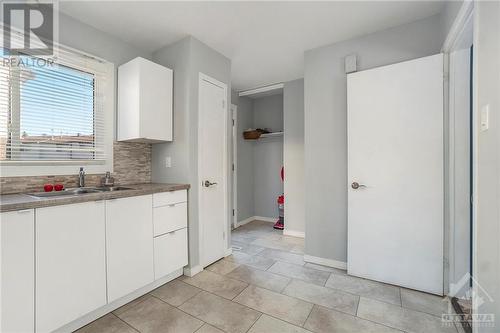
[144, 102]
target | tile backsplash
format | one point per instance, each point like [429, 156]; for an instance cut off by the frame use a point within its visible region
[131, 164]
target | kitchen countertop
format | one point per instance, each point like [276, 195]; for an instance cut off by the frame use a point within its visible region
[20, 201]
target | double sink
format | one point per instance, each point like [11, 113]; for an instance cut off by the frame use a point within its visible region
[77, 191]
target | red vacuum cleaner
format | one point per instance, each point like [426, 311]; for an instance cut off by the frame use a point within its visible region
[280, 224]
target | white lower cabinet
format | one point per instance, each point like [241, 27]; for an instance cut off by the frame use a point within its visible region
[17, 307]
[70, 263]
[171, 252]
[60, 263]
[129, 240]
[169, 218]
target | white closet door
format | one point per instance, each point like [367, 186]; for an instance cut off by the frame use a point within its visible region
[395, 149]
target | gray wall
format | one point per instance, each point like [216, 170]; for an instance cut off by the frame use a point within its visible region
[189, 57]
[449, 13]
[268, 155]
[245, 167]
[487, 55]
[86, 38]
[326, 128]
[293, 155]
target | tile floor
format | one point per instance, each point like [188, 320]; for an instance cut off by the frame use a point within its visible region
[266, 287]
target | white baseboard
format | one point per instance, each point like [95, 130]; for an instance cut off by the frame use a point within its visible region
[192, 271]
[243, 222]
[90, 317]
[266, 219]
[229, 251]
[294, 233]
[325, 262]
[254, 218]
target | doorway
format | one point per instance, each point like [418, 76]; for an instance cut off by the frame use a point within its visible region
[212, 169]
[258, 158]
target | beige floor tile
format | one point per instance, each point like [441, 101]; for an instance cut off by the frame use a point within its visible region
[246, 248]
[272, 244]
[280, 306]
[209, 329]
[243, 238]
[259, 278]
[267, 324]
[217, 284]
[300, 272]
[131, 304]
[299, 249]
[153, 315]
[366, 288]
[279, 255]
[326, 268]
[107, 324]
[330, 298]
[222, 266]
[255, 261]
[424, 302]
[401, 318]
[219, 312]
[323, 320]
[175, 292]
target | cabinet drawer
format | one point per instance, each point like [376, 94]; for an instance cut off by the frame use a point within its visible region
[171, 252]
[168, 198]
[169, 218]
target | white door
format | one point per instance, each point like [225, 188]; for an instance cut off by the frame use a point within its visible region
[395, 154]
[212, 166]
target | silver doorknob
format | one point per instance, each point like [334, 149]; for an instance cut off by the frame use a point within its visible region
[356, 185]
[208, 183]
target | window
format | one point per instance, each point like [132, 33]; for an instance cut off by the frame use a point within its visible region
[56, 111]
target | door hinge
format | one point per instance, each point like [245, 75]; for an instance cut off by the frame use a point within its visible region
[233, 212]
[233, 122]
[223, 235]
[232, 167]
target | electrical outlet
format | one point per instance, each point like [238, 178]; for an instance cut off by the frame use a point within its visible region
[168, 162]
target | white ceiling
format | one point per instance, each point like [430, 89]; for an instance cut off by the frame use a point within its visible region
[265, 40]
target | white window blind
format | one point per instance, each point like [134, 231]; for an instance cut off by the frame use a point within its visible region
[52, 111]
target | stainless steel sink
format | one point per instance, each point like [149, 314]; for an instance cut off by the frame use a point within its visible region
[112, 188]
[65, 192]
[77, 191]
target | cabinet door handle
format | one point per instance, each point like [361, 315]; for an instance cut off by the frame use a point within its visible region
[171, 205]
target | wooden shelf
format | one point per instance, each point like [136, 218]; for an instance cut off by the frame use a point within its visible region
[271, 135]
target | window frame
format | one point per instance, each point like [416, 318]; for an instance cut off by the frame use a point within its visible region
[17, 168]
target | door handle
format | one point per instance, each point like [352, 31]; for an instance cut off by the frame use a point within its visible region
[208, 183]
[356, 185]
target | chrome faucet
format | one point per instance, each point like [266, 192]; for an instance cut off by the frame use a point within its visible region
[81, 178]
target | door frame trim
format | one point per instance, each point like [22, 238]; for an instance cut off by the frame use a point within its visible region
[234, 167]
[203, 77]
